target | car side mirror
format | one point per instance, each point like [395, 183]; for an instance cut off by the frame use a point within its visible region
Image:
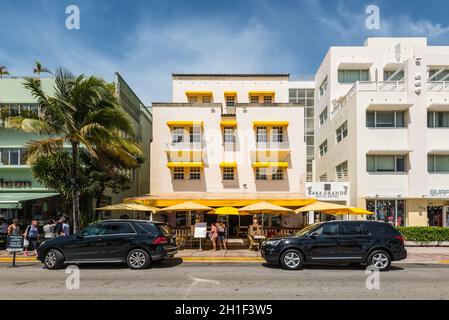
[314, 235]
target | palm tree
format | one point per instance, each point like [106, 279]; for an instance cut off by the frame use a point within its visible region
[82, 113]
[3, 71]
[38, 69]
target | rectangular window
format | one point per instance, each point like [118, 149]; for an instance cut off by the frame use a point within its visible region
[323, 87]
[323, 148]
[267, 99]
[228, 135]
[435, 75]
[341, 171]
[230, 101]
[178, 173]
[389, 73]
[386, 164]
[323, 116]
[193, 99]
[390, 211]
[261, 174]
[177, 135]
[352, 76]
[207, 99]
[195, 134]
[278, 175]
[438, 163]
[385, 119]
[195, 174]
[323, 178]
[12, 157]
[261, 134]
[277, 134]
[254, 99]
[342, 132]
[438, 119]
[228, 174]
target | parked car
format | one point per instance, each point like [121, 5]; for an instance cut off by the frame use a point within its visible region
[135, 242]
[371, 242]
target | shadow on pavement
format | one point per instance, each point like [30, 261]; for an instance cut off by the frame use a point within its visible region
[360, 267]
[168, 263]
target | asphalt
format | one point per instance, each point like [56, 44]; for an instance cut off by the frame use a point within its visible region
[248, 280]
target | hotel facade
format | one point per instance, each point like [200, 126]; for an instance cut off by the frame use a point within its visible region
[382, 126]
[230, 140]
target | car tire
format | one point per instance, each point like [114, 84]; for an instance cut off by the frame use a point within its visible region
[138, 259]
[292, 260]
[380, 260]
[54, 259]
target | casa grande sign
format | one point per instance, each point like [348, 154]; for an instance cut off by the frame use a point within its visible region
[328, 191]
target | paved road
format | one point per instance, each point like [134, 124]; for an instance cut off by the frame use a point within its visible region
[172, 280]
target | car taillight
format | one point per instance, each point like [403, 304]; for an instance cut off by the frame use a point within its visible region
[400, 238]
[160, 240]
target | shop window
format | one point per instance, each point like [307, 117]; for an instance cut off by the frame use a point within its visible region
[438, 119]
[390, 211]
[195, 173]
[178, 173]
[228, 174]
[385, 119]
[342, 132]
[438, 163]
[386, 163]
[352, 76]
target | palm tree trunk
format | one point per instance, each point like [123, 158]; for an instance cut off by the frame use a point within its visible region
[75, 190]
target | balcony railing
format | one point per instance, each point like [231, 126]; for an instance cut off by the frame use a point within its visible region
[438, 86]
[185, 146]
[381, 86]
[273, 145]
[228, 111]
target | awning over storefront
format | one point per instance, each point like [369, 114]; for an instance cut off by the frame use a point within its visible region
[217, 200]
[12, 200]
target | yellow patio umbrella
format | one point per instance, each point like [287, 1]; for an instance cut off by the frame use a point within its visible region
[187, 206]
[321, 207]
[349, 211]
[135, 207]
[228, 211]
[265, 208]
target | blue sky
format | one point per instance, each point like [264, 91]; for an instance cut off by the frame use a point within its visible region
[147, 40]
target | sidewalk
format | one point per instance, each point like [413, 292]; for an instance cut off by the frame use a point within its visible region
[429, 255]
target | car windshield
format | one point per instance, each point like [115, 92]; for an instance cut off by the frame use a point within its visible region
[306, 229]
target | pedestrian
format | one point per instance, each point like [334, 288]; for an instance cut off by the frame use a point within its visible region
[49, 229]
[3, 228]
[222, 235]
[58, 230]
[32, 236]
[14, 228]
[213, 235]
[65, 228]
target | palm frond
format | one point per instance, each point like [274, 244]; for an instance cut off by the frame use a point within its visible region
[40, 148]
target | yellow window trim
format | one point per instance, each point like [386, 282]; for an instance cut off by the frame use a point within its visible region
[229, 123]
[185, 165]
[254, 93]
[228, 165]
[184, 123]
[230, 93]
[199, 93]
[271, 123]
[270, 165]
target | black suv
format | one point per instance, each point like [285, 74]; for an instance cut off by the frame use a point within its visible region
[138, 243]
[371, 242]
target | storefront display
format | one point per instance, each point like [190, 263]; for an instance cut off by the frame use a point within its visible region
[390, 211]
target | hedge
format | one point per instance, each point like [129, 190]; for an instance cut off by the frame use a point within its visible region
[424, 233]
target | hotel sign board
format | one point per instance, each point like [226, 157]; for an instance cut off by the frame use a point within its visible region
[439, 193]
[328, 191]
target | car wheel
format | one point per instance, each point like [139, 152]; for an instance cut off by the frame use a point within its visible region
[138, 259]
[379, 259]
[292, 260]
[54, 259]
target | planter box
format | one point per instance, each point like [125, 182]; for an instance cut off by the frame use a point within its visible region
[427, 243]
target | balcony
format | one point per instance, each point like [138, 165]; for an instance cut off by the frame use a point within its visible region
[438, 86]
[185, 146]
[273, 145]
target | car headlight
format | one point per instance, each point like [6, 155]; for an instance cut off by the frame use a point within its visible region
[272, 242]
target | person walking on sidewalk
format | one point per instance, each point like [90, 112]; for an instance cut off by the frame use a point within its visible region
[3, 228]
[222, 235]
[213, 235]
[65, 228]
[32, 236]
[58, 230]
[14, 228]
[49, 229]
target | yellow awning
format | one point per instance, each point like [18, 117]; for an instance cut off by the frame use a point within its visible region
[228, 211]
[199, 93]
[262, 92]
[228, 165]
[230, 123]
[230, 93]
[270, 165]
[350, 211]
[184, 123]
[185, 164]
[271, 123]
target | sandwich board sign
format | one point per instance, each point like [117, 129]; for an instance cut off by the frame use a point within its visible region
[14, 243]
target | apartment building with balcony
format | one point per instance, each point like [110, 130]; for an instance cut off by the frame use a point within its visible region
[228, 139]
[381, 124]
